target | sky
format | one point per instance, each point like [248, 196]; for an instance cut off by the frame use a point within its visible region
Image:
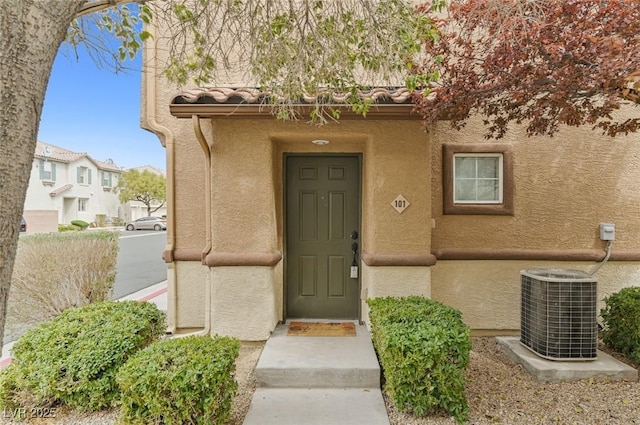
[93, 110]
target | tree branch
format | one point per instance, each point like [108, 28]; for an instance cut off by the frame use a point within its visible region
[98, 5]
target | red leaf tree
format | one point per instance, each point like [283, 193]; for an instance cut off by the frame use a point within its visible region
[539, 63]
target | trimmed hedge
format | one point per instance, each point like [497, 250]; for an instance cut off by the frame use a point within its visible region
[80, 223]
[423, 347]
[73, 359]
[180, 381]
[621, 319]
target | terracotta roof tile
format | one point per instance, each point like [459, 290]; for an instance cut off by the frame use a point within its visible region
[227, 95]
[56, 153]
[60, 190]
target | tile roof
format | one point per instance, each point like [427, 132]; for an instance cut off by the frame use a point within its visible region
[56, 153]
[239, 102]
[218, 95]
[60, 190]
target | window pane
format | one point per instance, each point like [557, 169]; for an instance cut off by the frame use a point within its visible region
[465, 167]
[477, 178]
[465, 190]
[488, 167]
[488, 190]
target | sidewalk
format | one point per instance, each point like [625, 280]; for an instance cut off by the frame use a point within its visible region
[156, 294]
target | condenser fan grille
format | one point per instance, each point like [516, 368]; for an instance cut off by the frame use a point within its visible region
[558, 314]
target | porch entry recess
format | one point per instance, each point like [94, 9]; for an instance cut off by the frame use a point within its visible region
[323, 224]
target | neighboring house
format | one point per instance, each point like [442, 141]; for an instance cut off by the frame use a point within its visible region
[66, 186]
[263, 215]
[133, 210]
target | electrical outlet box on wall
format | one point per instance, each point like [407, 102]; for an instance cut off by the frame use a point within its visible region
[607, 231]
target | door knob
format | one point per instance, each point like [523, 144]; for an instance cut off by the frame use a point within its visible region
[354, 235]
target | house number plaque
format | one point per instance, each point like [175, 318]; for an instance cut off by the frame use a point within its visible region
[400, 204]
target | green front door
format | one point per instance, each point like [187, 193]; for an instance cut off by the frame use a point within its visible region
[323, 223]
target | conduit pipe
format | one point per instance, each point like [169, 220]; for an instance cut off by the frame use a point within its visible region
[150, 80]
[602, 263]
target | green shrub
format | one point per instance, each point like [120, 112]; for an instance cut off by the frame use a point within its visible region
[621, 319]
[180, 381]
[80, 223]
[423, 347]
[67, 228]
[73, 359]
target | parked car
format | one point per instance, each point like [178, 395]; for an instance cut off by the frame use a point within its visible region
[147, 223]
[23, 225]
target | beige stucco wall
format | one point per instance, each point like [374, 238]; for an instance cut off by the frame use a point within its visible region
[564, 187]
[186, 288]
[247, 211]
[488, 292]
[244, 302]
[394, 281]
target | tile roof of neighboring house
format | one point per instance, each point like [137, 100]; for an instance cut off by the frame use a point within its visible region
[149, 168]
[244, 101]
[60, 190]
[107, 165]
[56, 153]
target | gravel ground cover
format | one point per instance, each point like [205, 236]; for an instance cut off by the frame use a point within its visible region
[502, 392]
[498, 391]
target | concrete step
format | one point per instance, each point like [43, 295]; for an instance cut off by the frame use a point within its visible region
[317, 406]
[318, 362]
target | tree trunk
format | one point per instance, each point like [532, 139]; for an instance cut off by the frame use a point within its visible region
[31, 32]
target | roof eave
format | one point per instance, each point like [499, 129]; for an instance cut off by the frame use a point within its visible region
[404, 111]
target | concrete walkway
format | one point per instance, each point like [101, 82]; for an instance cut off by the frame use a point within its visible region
[317, 381]
[156, 294]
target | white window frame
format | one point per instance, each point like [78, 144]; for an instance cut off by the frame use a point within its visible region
[106, 179]
[506, 205]
[47, 172]
[84, 175]
[477, 179]
[83, 204]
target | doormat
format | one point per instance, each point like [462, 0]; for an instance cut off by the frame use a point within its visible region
[321, 329]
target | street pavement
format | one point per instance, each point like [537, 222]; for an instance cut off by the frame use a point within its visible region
[156, 294]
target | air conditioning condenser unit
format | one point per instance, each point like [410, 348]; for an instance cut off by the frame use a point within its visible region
[558, 314]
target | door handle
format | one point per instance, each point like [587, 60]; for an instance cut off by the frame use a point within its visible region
[354, 263]
[354, 235]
